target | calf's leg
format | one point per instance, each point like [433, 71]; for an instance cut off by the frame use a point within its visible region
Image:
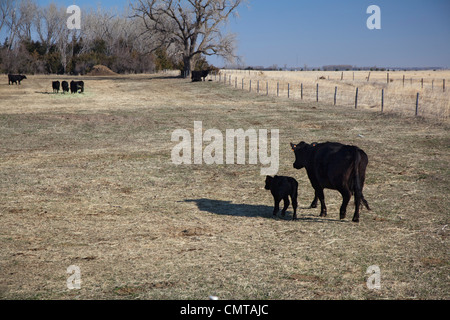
[294, 205]
[286, 205]
[276, 207]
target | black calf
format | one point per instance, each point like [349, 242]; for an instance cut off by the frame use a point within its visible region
[281, 188]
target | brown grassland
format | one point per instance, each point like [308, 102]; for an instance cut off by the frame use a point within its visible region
[87, 180]
[399, 96]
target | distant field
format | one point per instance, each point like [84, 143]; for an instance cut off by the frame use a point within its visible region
[400, 88]
[87, 180]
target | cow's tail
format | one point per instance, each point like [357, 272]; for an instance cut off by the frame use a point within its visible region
[357, 183]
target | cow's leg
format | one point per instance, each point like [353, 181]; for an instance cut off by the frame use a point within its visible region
[323, 207]
[357, 205]
[314, 203]
[346, 195]
[286, 205]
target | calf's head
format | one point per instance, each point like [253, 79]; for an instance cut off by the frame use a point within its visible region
[268, 182]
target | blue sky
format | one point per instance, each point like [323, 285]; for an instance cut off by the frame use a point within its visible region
[294, 33]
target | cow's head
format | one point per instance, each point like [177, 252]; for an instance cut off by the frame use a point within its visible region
[268, 182]
[300, 150]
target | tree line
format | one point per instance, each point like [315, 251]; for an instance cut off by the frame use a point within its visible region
[146, 37]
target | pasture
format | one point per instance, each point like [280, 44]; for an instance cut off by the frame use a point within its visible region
[393, 91]
[87, 180]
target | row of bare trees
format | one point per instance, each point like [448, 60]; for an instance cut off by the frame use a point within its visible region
[149, 35]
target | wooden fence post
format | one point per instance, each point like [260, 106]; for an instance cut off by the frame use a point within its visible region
[356, 99]
[403, 80]
[368, 77]
[267, 88]
[317, 93]
[235, 82]
[278, 89]
[443, 85]
[250, 86]
[387, 78]
[417, 104]
[335, 92]
[288, 90]
[257, 87]
[421, 82]
[301, 91]
[382, 100]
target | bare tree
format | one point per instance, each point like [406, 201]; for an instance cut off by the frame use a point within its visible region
[192, 26]
[18, 18]
[50, 22]
[28, 9]
[6, 7]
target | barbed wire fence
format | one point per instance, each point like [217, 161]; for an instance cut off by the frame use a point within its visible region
[428, 98]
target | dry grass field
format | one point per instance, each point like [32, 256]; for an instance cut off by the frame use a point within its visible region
[87, 180]
[400, 92]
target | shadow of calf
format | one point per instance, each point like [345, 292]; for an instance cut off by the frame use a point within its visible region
[234, 209]
[228, 208]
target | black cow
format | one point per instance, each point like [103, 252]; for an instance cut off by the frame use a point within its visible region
[333, 166]
[76, 85]
[55, 86]
[14, 78]
[73, 86]
[199, 75]
[65, 86]
[281, 188]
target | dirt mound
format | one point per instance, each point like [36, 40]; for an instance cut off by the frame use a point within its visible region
[100, 70]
